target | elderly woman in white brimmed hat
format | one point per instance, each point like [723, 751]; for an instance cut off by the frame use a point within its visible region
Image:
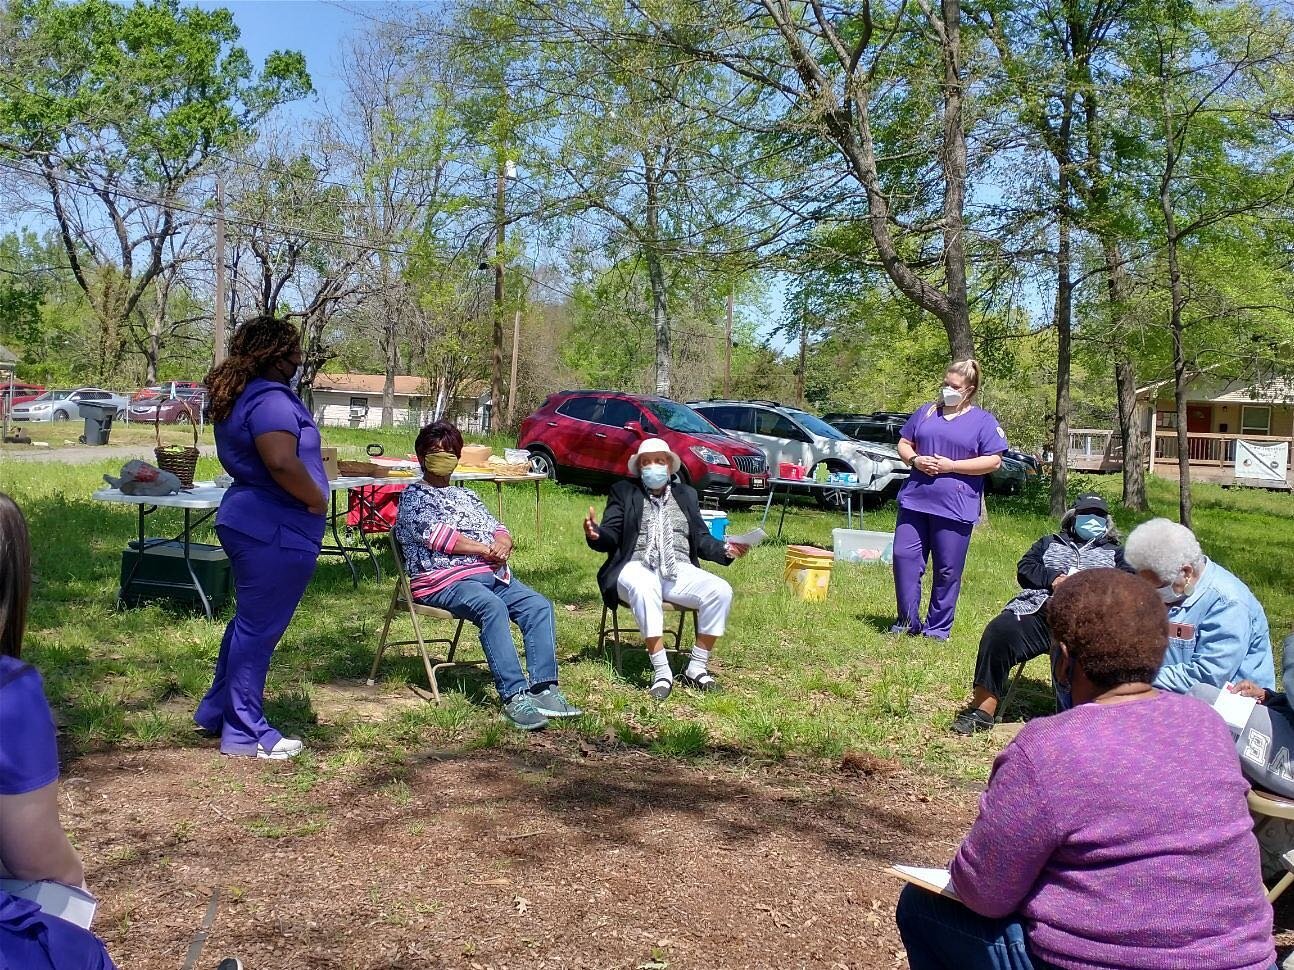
[654, 536]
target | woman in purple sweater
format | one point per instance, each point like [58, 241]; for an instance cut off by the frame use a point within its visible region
[1113, 836]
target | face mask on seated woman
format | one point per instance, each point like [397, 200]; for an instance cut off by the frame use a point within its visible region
[440, 462]
[655, 476]
[1089, 526]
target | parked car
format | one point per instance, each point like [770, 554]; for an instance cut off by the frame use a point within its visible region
[885, 426]
[786, 434]
[167, 389]
[589, 435]
[65, 405]
[16, 392]
[172, 409]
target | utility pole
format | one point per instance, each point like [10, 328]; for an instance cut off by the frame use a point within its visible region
[496, 357]
[512, 381]
[727, 349]
[218, 337]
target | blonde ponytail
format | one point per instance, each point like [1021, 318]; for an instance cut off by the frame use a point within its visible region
[968, 369]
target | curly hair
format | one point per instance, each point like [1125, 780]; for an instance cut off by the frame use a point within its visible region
[258, 342]
[1113, 623]
[15, 576]
[441, 433]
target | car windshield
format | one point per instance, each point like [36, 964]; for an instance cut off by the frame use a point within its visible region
[817, 425]
[54, 396]
[680, 417]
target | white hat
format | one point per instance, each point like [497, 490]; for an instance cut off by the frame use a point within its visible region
[653, 446]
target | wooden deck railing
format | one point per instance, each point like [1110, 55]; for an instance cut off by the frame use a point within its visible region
[1216, 450]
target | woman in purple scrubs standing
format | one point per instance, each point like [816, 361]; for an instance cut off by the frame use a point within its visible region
[271, 523]
[950, 445]
[33, 845]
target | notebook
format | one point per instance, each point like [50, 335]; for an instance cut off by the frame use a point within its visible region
[930, 879]
[1234, 708]
[55, 899]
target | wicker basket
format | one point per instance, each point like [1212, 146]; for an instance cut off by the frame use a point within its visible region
[180, 461]
[509, 469]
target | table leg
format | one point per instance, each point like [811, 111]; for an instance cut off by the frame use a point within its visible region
[363, 538]
[538, 530]
[339, 547]
[139, 560]
[188, 564]
[498, 497]
[767, 504]
[786, 500]
[849, 510]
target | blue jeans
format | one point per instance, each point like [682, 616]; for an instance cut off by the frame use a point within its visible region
[491, 604]
[942, 934]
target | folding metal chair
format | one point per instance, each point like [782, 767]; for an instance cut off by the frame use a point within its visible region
[613, 635]
[1263, 806]
[402, 598]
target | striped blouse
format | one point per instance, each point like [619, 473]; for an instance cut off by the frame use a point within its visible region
[427, 527]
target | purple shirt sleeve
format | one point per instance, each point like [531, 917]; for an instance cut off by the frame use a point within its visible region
[28, 745]
[992, 440]
[273, 412]
[909, 430]
[1006, 849]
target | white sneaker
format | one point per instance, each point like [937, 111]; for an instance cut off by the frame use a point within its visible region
[285, 749]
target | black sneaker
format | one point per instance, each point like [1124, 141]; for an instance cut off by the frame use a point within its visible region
[972, 721]
[230, 963]
[704, 681]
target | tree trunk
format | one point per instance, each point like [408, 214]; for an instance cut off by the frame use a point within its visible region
[957, 325]
[1134, 469]
[1176, 300]
[1064, 335]
[660, 324]
[804, 354]
[496, 349]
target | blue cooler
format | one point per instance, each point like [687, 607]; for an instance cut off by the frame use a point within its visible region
[716, 522]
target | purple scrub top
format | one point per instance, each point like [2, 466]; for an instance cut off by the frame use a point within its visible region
[973, 434]
[28, 749]
[256, 505]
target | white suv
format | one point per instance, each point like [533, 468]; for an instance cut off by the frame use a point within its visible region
[787, 434]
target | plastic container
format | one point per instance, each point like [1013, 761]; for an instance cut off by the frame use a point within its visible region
[808, 572]
[716, 522]
[859, 545]
[475, 454]
[98, 421]
[791, 472]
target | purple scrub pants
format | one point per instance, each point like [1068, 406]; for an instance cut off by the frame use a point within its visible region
[30, 940]
[269, 579]
[919, 536]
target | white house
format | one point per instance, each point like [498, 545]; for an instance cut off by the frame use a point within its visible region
[355, 401]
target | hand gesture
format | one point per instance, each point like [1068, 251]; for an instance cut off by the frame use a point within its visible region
[927, 463]
[591, 530]
[501, 548]
[1247, 688]
[942, 465]
[735, 550]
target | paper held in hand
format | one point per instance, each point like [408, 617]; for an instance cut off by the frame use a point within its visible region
[1234, 708]
[55, 899]
[750, 539]
[932, 880]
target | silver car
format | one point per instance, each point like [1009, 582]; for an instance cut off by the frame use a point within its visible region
[66, 405]
[787, 434]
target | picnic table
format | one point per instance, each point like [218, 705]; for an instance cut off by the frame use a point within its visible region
[200, 503]
[789, 485]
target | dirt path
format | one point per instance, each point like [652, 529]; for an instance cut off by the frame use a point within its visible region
[546, 857]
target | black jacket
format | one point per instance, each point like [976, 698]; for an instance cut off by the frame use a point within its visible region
[622, 521]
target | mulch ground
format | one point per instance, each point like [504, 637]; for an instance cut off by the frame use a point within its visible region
[552, 856]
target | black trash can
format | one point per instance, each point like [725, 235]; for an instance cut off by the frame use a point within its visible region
[98, 421]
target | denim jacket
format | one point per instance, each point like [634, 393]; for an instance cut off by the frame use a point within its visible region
[1227, 641]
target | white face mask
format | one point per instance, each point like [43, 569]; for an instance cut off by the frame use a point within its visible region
[951, 396]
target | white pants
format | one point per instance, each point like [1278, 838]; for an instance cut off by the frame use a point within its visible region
[645, 591]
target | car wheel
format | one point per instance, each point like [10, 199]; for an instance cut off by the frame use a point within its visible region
[543, 463]
[830, 499]
[59, 416]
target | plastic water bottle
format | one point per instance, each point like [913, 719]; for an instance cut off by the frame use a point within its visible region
[887, 555]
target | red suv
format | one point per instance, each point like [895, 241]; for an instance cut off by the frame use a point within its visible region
[589, 435]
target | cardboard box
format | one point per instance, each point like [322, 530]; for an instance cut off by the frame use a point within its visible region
[330, 463]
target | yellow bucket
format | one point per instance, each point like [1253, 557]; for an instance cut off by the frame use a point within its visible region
[808, 572]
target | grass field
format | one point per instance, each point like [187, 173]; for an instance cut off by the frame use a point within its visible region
[802, 680]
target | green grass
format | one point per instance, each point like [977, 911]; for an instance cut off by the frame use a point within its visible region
[801, 680]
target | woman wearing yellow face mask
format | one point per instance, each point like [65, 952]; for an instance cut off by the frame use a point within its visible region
[456, 554]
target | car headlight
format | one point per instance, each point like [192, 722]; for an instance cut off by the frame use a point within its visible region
[710, 456]
[38, 407]
[874, 455]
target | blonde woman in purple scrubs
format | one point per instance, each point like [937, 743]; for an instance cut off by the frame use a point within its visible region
[950, 445]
